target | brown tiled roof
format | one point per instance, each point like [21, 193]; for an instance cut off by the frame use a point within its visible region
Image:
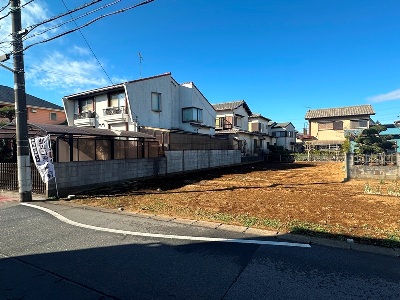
[232, 105]
[340, 112]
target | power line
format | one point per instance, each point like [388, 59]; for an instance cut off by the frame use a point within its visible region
[73, 19]
[27, 3]
[88, 23]
[4, 7]
[88, 43]
[32, 27]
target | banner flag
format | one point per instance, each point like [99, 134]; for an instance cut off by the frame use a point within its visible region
[42, 156]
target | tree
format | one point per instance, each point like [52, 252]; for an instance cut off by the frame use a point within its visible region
[7, 112]
[371, 142]
[346, 147]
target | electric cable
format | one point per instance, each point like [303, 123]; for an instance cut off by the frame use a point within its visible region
[73, 19]
[87, 24]
[91, 50]
[4, 7]
[32, 27]
[23, 5]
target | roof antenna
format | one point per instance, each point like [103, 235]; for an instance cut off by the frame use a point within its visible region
[140, 64]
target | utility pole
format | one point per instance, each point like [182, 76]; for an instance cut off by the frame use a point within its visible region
[23, 158]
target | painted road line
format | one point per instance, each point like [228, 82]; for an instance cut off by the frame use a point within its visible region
[165, 236]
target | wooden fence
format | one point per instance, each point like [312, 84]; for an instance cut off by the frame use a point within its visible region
[9, 178]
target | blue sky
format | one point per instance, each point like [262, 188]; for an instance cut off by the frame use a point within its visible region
[282, 57]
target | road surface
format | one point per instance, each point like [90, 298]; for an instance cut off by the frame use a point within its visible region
[66, 252]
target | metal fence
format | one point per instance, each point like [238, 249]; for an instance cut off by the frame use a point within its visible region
[9, 178]
[319, 157]
[381, 159]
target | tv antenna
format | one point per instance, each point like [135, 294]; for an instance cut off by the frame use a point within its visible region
[140, 64]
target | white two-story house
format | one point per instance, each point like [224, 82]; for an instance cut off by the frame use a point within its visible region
[233, 121]
[259, 124]
[154, 104]
[285, 134]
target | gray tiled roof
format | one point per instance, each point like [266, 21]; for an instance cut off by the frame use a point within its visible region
[232, 105]
[259, 116]
[7, 96]
[282, 125]
[340, 112]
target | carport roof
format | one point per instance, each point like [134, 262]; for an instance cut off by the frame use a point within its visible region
[9, 131]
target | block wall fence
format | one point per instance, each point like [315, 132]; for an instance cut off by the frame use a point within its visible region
[76, 176]
[353, 171]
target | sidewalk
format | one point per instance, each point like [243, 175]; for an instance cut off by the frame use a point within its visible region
[8, 196]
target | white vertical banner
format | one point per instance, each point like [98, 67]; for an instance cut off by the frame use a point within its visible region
[42, 156]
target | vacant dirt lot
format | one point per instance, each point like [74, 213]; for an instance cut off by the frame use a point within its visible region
[300, 197]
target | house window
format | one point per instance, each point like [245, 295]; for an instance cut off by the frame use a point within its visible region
[86, 105]
[53, 116]
[192, 114]
[325, 126]
[155, 101]
[219, 122]
[338, 125]
[280, 133]
[117, 99]
[354, 124]
[237, 121]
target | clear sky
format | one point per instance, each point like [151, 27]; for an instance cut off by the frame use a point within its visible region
[282, 57]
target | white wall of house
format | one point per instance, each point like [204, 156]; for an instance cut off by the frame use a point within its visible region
[259, 124]
[244, 121]
[190, 96]
[140, 100]
[287, 142]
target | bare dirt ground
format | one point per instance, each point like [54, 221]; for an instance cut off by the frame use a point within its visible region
[308, 198]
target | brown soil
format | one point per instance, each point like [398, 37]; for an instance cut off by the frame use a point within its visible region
[300, 197]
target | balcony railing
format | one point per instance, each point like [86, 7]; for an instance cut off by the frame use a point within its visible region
[85, 119]
[114, 111]
[85, 115]
[223, 124]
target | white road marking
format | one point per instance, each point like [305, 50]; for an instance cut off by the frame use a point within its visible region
[165, 236]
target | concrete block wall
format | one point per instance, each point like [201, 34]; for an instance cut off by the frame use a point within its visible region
[77, 176]
[191, 160]
[371, 172]
[174, 161]
[80, 175]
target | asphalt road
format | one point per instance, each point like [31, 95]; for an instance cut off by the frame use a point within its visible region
[42, 257]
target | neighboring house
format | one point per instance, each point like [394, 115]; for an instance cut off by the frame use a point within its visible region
[330, 126]
[157, 103]
[233, 121]
[259, 124]
[394, 131]
[285, 134]
[39, 111]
